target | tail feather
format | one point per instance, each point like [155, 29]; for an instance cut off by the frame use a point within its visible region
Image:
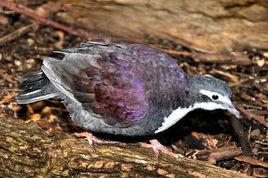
[35, 87]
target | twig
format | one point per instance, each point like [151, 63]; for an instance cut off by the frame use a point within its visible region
[8, 98]
[232, 58]
[6, 77]
[27, 12]
[212, 156]
[223, 155]
[256, 117]
[261, 143]
[253, 161]
[226, 58]
[176, 53]
[242, 138]
[231, 77]
[16, 34]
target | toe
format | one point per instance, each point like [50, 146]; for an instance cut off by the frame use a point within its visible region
[157, 146]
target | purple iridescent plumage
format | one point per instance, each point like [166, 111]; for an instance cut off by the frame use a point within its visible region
[118, 91]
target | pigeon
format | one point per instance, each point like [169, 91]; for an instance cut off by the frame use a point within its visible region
[123, 89]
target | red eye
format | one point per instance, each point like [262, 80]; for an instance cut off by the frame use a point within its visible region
[215, 97]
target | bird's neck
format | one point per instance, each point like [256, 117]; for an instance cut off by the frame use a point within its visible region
[179, 110]
[192, 91]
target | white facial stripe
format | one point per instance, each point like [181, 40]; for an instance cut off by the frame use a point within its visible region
[221, 98]
[173, 118]
[179, 113]
[208, 106]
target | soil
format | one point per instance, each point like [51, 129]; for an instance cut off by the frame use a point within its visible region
[197, 134]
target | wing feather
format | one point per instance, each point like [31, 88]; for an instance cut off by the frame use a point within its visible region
[103, 85]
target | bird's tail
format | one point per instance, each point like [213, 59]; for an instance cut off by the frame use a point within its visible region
[35, 87]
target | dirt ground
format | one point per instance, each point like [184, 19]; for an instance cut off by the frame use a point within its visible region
[200, 133]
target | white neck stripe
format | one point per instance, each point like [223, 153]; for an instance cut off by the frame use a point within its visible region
[179, 113]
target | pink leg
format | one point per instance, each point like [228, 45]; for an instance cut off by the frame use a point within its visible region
[159, 147]
[91, 138]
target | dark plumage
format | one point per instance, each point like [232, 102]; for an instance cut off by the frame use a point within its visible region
[125, 89]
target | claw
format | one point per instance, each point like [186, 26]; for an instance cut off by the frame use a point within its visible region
[156, 146]
[92, 139]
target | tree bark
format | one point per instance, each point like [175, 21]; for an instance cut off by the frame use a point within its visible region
[27, 150]
[207, 26]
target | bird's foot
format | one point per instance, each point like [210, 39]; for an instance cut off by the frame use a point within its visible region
[156, 146]
[92, 139]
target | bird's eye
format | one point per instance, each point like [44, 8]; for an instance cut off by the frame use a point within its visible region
[215, 97]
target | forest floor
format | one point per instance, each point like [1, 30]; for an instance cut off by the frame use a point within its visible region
[197, 136]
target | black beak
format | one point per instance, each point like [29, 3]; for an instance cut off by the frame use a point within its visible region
[233, 110]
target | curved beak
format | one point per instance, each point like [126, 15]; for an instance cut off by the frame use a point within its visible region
[230, 107]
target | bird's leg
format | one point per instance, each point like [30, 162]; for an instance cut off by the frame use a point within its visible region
[92, 139]
[156, 146]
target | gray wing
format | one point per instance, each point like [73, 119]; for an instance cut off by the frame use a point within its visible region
[115, 99]
[59, 73]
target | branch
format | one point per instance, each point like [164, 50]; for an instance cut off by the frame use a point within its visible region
[16, 34]
[29, 151]
[260, 119]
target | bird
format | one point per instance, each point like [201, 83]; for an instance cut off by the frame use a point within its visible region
[127, 89]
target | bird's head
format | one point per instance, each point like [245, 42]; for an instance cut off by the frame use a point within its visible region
[209, 93]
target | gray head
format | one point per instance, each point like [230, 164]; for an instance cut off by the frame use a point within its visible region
[209, 93]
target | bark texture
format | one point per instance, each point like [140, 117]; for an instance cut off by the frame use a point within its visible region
[26, 150]
[208, 26]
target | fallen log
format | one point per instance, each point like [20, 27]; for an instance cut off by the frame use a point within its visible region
[27, 150]
[206, 26]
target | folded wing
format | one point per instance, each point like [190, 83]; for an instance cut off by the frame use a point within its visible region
[106, 87]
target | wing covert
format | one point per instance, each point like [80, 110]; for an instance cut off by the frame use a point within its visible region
[112, 91]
